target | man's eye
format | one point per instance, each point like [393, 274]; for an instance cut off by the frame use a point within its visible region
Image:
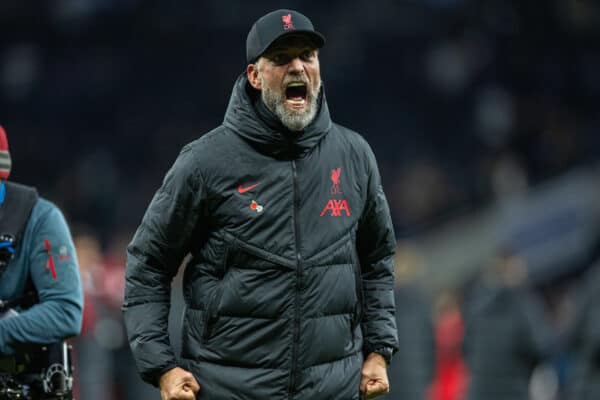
[279, 59]
[307, 55]
[282, 59]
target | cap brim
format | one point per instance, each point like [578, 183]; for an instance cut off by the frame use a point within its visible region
[316, 37]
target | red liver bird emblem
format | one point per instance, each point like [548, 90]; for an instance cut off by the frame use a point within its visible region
[287, 22]
[335, 178]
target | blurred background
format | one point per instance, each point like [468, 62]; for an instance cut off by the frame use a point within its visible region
[484, 118]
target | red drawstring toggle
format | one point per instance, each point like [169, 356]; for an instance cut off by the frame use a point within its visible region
[50, 263]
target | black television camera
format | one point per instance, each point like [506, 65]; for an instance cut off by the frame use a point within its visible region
[7, 250]
[34, 372]
[37, 373]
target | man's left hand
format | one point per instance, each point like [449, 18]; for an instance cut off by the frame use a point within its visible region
[374, 380]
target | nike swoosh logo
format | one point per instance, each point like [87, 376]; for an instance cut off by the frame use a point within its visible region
[245, 189]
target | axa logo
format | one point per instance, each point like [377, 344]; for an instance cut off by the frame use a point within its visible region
[287, 22]
[336, 207]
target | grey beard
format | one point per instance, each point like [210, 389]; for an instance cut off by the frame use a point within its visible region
[291, 119]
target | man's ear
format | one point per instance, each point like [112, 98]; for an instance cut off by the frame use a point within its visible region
[252, 74]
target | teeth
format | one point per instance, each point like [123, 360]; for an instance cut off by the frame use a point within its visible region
[296, 102]
[295, 84]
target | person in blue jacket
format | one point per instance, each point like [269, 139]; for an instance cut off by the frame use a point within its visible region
[41, 262]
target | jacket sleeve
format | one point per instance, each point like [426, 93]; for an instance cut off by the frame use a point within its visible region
[53, 268]
[153, 257]
[376, 245]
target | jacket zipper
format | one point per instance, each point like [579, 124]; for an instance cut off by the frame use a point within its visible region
[298, 285]
[359, 292]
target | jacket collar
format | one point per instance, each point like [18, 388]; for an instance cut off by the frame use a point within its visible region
[265, 132]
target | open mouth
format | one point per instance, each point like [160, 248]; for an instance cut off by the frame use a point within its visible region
[295, 94]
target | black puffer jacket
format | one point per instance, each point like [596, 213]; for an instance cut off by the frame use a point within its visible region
[290, 280]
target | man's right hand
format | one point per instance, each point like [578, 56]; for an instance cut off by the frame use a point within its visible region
[178, 384]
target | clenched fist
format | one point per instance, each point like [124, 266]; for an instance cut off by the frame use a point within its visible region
[374, 380]
[178, 384]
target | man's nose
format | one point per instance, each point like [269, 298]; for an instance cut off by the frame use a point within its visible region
[296, 65]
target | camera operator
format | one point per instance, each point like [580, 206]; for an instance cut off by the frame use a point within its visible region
[41, 296]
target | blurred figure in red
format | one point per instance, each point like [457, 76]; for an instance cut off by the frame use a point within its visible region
[92, 360]
[450, 373]
[104, 363]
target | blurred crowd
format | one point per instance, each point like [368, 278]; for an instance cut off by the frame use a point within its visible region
[498, 336]
[465, 103]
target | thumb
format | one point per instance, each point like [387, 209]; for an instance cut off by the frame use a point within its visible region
[363, 385]
[191, 383]
[377, 388]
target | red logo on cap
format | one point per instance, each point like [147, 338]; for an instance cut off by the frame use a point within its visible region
[287, 22]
